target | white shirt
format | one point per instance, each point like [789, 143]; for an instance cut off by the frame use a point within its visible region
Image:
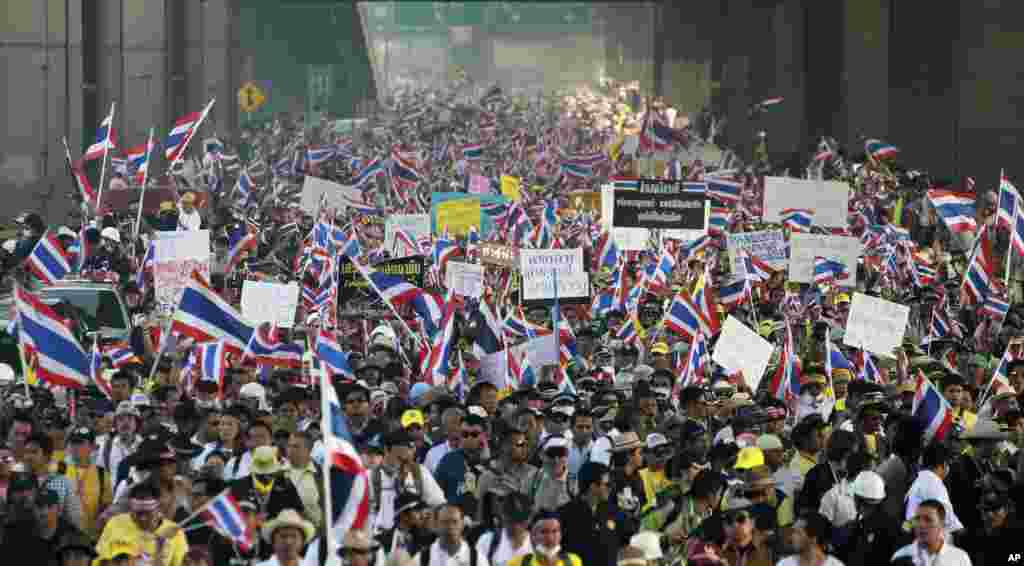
[243, 460]
[434, 455]
[601, 449]
[189, 220]
[118, 452]
[837, 505]
[948, 555]
[385, 519]
[795, 561]
[438, 557]
[578, 456]
[504, 552]
[929, 486]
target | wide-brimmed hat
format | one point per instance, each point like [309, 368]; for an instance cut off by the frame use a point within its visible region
[986, 430]
[626, 441]
[264, 461]
[289, 518]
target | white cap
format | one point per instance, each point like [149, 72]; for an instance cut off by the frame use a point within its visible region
[251, 391]
[648, 541]
[111, 233]
[9, 246]
[769, 442]
[656, 439]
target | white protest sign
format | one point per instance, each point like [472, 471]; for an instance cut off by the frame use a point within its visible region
[465, 279]
[803, 248]
[626, 239]
[336, 194]
[177, 254]
[542, 351]
[828, 199]
[270, 302]
[741, 349]
[876, 325]
[541, 268]
[768, 245]
[415, 225]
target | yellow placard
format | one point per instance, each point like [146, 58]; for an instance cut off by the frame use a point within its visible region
[458, 216]
[250, 97]
[510, 188]
[586, 200]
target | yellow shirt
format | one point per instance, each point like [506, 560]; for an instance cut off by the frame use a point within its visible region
[654, 481]
[802, 464]
[518, 561]
[94, 497]
[122, 530]
[967, 418]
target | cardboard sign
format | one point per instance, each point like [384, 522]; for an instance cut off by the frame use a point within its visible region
[627, 239]
[457, 216]
[828, 199]
[176, 254]
[415, 225]
[465, 279]
[270, 302]
[768, 245]
[352, 284]
[541, 351]
[741, 349]
[497, 254]
[542, 268]
[335, 195]
[660, 204]
[876, 325]
[804, 248]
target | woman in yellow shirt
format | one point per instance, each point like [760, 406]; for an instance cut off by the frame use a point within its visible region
[93, 484]
[145, 528]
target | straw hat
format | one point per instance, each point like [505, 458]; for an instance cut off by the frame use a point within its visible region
[285, 519]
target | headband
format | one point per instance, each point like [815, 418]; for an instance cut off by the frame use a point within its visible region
[632, 562]
[143, 505]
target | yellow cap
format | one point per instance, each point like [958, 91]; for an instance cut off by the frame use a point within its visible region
[412, 417]
[121, 548]
[843, 298]
[749, 457]
[659, 348]
[188, 197]
[166, 206]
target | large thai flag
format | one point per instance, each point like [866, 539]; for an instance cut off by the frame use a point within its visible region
[932, 410]
[488, 339]
[318, 155]
[980, 270]
[105, 139]
[1009, 200]
[212, 363]
[430, 309]
[204, 316]
[685, 318]
[726, 191]
[956, 209]
[48, 260]
[50, 346]
[438, 366]
[266, 348]
[693, 371]
[223, 514]
[182, 132]
[996, 306]
[797, 219]
[829, 270]
[394, 290]
[331, 355]
[718, 222]
[346, 482]
[732, 294]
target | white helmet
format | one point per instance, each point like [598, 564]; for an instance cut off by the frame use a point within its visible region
[254, 391]
[869, 485]
[111, 233]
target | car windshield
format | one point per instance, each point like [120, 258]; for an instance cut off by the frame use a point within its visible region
[100, 307]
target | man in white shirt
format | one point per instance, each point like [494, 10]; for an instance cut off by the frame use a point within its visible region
[451, 428]
[502, 545]
[188, 216]
[930, 547]
[450, 548]
[929, 485]
[304, 474]
[125, 442]
[399, 473]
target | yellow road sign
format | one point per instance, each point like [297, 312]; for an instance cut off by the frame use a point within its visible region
[250, 97]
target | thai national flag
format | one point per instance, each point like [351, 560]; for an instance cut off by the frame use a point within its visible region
[346, 481]
[956, 209]
[138, 160]
[607, 251]
[224, 516]
[372, 169]
[878, 148]
[404, 169]
[693, 372]
[754, 268]
[488, 338]
[438, 366]
[734, 293]
[932, 410]
[244, 187]
[1009, 200]
[50, 346]
[204, 316]
[663, 271]
[182, 132]
[49, 262]
[430, 309]
[318, 155]
[785, 384]
[1017, 236]
[105, 139]
[725, 191]
[240, 240]
[146, 267]
[85, 188]
[393, 290]
[266, 348]
[120, 354]
[797, 219]
[829, 270]
[331, 355]
[718, 223]
[996, 306]
[834, 358]
[981, 269]
[96, 371]
[212, 363]
[685, 318]
[868, 371]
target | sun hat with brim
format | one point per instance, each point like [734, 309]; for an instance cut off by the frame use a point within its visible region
[986, 430]
[289, 518]
[264, 461]
[626, 441]
[649, 542]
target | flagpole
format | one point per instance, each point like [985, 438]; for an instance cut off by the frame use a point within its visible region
[1013, 233]
[195, 128]
[106, 152]
[362, 270]
[142, 193]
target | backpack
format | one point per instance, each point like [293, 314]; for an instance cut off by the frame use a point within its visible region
[425, 555]
[376, 481]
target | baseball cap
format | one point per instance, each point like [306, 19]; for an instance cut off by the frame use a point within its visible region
[412, 417]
